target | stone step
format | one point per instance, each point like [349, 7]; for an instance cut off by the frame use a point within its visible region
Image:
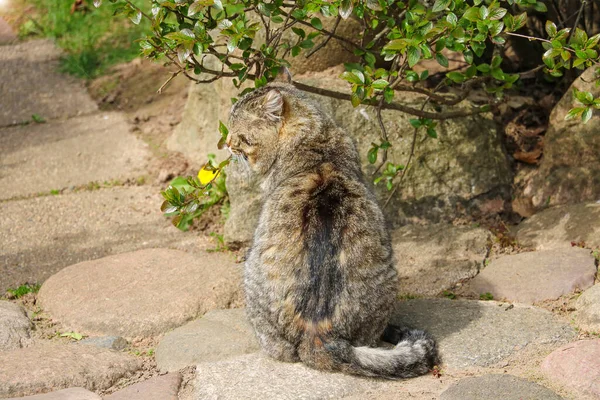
[141, 294]
[50, 366]
[164, 387]
[40, 236]
[536, 276]
[15, 326]
[218, 335]
[31, 84]
[59, 154]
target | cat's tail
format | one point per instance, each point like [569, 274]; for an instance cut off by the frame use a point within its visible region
[414, 354]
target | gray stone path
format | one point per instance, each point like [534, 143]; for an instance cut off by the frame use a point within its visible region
[481, 333]
[30, 84]
[59, 154]
[15, 327]
[42, 235]
[498, 387]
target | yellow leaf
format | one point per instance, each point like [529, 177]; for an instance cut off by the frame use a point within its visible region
[206, 176]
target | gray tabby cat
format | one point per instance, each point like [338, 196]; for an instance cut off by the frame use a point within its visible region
[320, 281]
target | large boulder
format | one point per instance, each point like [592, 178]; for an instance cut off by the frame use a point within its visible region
[463, 172]
[569, 171]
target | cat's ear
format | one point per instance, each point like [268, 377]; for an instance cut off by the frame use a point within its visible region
[283, 75]
[273, 105]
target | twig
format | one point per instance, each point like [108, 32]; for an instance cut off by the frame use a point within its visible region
[326, 32]
[583, 3]
[173, 75]
[384, 136]
[324, 43]
[410, 156]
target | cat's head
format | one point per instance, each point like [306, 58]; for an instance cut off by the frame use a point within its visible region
[254, 125]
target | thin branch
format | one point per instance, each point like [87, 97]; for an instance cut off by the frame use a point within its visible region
[583, 3]
[324, 43]
[173, 75]
[326, 32]
[412, 153]
[383, 136]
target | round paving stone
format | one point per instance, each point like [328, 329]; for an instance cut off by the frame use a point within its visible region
[14, 326]
[536, 276]
[576, 366]
[51, 366]
[497, 387]
[141, 294]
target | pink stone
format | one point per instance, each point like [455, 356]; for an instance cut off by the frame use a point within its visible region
[576, 366]
[163, 387]
[536, 276]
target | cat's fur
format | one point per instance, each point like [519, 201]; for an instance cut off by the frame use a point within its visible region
[320, 281]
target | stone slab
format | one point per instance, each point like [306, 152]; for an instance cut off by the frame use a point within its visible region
[31, 84]
[144, 293]
[559, 226]
[14, 327]
[498, 387]
[164, 387]
[42, 235]
[481, 333]
[255, 376]
[106, 342]
[65, 394]
[51, 366]
[433, 258]
[43, 157]
[576, 366]
[218, 335]
[587, 316]
[536, 276]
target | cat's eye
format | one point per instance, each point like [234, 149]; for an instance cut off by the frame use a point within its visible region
[245, 140]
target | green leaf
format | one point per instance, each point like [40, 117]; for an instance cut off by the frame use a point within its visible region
[355, 100]
[468, 55]
[380, 84]
[485, 68]
[440, 5]
[388, 94]
[472, 14]
[551, 29]
[432, 133]
[540, 7]
[299, 32]
[586, 115]
[496, 61]
[441, 59]
[414, 55]
[497, 13]
[583, 97]
[372, 155]
[316, 23]
[359, 75]
[574, 113]
[456, 77]
[346, 8]
[452, 19]
[416, 123]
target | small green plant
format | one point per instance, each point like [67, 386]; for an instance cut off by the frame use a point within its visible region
[72, 335]
[221, 246]
[449, 294]
[23, 290]
[38, 119]
[55, 192]
[188, 198]
[486, 296]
